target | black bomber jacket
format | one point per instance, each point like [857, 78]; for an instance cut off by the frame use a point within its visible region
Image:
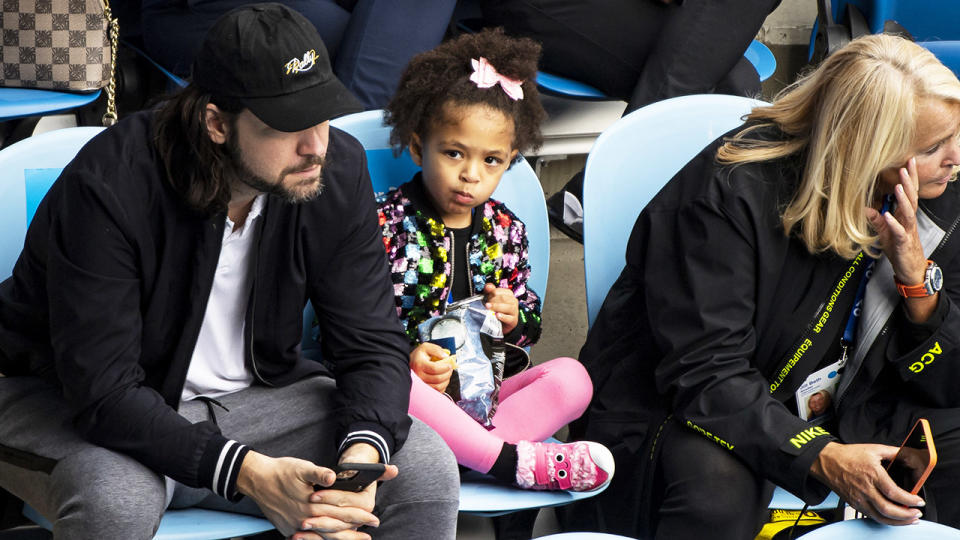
[711, 305]
[109, 294]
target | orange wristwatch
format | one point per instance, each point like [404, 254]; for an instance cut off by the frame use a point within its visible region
[932, 283]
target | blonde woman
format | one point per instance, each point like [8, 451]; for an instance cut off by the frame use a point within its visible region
[737, 301]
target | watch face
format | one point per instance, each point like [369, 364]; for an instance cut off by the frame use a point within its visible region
[936, 277]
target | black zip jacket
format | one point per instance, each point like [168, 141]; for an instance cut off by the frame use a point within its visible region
[108, 297]
[709, 309]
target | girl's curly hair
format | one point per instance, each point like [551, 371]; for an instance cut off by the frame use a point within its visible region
[441, 76]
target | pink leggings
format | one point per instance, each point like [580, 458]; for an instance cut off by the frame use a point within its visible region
[533, 406]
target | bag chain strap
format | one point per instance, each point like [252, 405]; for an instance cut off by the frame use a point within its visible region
[110, 117]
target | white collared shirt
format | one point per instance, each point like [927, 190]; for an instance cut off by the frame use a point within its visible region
[218, 365]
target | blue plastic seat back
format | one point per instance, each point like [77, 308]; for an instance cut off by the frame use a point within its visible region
[27, 170]
[948, 52]
[762, 59]
[20, 102]
[867, 528]
[757, 54]
[934, 24]
[519, 188]
[628, 165]
[564, 87]
[926, 20]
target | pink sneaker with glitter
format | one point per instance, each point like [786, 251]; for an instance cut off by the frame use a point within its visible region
[576, 466]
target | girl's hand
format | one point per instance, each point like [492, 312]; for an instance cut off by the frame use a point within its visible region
[430, 362]
[898, 230]
[504, 304]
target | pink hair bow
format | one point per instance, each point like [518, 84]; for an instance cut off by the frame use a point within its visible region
[485, 76]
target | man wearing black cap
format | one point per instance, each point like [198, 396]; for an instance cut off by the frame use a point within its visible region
[151, 331]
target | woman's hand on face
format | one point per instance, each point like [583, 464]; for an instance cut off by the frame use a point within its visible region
[430, 362]
[855, 472]
[897, 230]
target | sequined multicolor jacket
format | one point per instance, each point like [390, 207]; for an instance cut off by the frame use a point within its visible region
[419, 250]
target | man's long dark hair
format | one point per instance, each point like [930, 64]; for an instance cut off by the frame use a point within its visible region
[196, 167]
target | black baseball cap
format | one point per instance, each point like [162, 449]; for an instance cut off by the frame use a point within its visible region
[272, 59]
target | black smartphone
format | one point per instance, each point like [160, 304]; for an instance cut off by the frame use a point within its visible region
[915, 459]
[355, 476]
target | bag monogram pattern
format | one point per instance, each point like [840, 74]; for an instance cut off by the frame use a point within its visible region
[55, 44]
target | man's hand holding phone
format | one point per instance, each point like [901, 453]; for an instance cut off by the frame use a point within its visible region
[281, 487]
[343, 511]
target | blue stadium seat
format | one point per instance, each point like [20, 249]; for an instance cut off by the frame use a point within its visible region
[27, 169]
[867, 528]
[757, 53]
[934, 24]
[23, 102]
[629, 164]
[190, 524]
[926, 20]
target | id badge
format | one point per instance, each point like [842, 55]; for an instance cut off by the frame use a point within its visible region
[815, 395]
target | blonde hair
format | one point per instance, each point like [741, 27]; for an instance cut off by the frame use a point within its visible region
[852, 117]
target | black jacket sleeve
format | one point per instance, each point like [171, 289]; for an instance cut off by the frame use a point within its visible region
[95, 330]
[359, 329]
[927, 356]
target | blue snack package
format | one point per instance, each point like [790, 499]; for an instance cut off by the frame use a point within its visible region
[448, 343]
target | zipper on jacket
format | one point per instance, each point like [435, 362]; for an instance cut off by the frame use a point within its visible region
[949, 232]
[840, 398]
[469, 273]
[656, 438]
[452, 256]
[253, 307]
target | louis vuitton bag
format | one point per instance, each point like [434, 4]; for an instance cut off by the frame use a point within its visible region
[58, 45]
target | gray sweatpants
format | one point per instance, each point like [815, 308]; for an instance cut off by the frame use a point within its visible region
[96, 493]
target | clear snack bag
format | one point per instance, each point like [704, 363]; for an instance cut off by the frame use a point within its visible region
[474, 334]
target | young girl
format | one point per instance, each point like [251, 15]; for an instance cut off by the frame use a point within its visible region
[464, 110]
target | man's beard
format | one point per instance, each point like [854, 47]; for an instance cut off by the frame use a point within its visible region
[236, 170]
